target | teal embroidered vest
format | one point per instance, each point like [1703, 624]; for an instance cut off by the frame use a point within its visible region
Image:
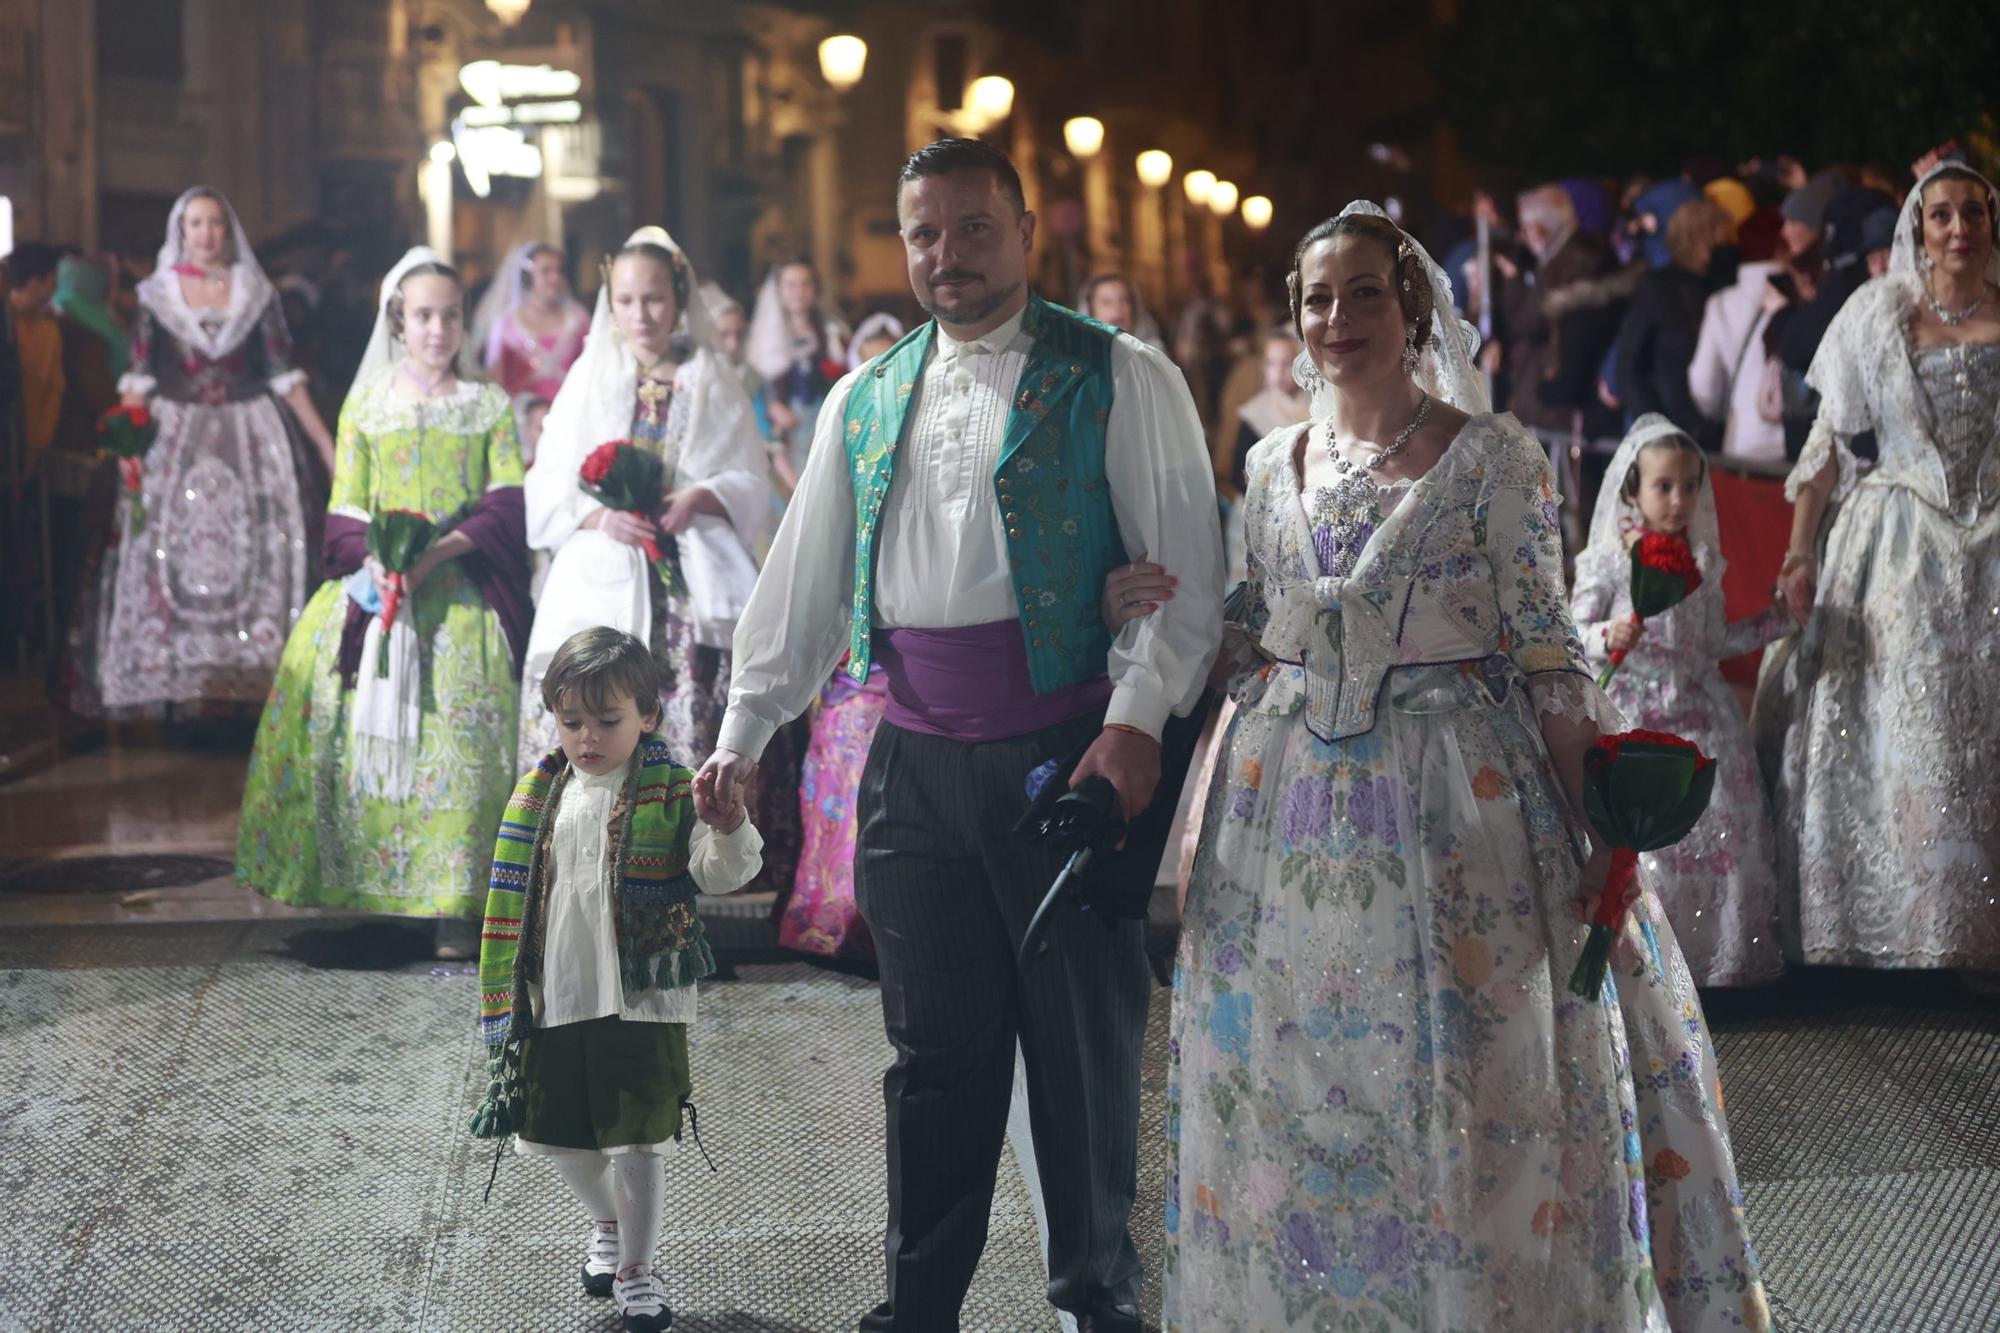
[1062, 538]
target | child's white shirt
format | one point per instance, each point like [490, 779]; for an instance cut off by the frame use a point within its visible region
[580, 950]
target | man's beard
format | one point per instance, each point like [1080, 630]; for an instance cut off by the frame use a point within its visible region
[971, 312]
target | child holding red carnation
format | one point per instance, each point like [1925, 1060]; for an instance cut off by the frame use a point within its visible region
[1719, 884]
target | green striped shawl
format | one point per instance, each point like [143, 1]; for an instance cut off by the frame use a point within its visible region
[660, 939]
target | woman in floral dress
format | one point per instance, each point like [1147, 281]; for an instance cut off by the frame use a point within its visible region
[321, 827]
[1385, 1109]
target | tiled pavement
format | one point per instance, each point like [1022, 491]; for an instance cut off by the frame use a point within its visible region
[199, 1130]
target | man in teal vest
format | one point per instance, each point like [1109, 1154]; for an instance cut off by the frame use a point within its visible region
[966, 494]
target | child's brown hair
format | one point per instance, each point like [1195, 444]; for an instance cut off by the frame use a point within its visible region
[595, 665]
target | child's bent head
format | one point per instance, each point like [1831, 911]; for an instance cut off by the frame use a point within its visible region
[604, 688]
[1664, 482]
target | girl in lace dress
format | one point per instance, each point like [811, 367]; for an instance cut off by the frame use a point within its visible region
[1888, 811]
[1719, 884]
[650, 375]
[1385, 1110]
[202, 582]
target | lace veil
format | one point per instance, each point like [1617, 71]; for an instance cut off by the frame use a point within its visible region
[249, 290]
[1445, 369]
[385, 350]
[1906, 252]
[768, 344]
[1614, 516]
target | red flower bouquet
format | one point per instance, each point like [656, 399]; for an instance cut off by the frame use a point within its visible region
[127, 434]
[1664, 575]
[619, 476]
[396, 538]
[1643, 790]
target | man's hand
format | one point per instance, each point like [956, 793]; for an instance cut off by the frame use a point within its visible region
[1129, 761]
[718, 788]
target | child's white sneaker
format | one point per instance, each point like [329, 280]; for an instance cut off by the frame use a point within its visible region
[600, 1262]
[642, 1301]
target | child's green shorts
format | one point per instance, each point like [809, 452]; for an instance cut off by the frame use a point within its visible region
[604, 1084]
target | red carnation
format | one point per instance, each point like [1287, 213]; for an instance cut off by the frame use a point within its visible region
[1664, 574]
[621, 476]
[597, 466]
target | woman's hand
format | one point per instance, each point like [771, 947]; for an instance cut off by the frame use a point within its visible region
[1591, 883]
[783, 419]
[620, 526]
[1798, 584]
[1622, 634]
[1134, 590]
[682, 507]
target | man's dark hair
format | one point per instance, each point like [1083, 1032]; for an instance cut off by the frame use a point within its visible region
[31, 260]
[949, 155]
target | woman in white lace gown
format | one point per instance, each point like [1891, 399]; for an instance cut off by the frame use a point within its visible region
[1719, 884]
[1385, 1110]
[1888, 807]
[200, 586]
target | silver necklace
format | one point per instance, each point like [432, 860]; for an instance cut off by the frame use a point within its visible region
[1376, 460]
[1951, 319]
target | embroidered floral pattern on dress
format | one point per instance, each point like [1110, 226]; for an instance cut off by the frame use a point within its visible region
[1877, 729]
[1384, 1112]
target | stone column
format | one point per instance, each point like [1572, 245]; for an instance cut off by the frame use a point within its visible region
[64, 209]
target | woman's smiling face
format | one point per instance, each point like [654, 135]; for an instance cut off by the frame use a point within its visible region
[1349, 310]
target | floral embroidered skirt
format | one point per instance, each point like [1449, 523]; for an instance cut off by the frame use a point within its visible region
[821, 917]
[1385, 1109]
[311, 837]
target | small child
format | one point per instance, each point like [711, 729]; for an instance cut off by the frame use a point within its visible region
[1719, 884]
[590, 953]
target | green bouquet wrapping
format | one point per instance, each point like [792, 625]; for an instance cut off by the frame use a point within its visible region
[127, 433]
[1643, 790]
[1664, 574]
[621, 476]
[397, 538]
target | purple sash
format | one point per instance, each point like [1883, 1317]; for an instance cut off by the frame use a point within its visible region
[971, 684]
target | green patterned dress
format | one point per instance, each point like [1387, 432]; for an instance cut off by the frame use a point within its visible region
[308, 836]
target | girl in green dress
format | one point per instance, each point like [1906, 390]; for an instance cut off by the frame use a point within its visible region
[317, 830]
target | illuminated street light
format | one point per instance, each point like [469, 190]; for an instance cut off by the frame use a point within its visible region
[442, 151]
[1256, 212]
[1084, 135]
[1222, 198]
[991, 98]
[1156, 168]
[1198, 184]
[509, 12]
[841, 60]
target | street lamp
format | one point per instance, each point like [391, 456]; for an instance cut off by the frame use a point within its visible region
[841, 60]
[991, 98]
[1222, 198]
[509, 12]
[1198, 184]
[1156, 168]
[1084, 135]
[1257, 212]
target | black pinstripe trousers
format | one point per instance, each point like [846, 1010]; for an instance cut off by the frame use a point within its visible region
[947, 889]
